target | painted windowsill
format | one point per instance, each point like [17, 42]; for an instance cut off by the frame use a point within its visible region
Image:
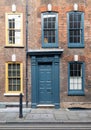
[12, 94]
[14, 46]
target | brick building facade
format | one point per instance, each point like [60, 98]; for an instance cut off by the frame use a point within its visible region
[45, 52]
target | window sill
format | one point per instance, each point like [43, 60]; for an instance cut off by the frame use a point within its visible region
[12, 94]
[75, 46]
[14, 46]
[48, 45]
[76, 93]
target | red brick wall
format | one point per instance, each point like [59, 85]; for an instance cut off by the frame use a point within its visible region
[36, 7]
[62, 7]
[6, 52]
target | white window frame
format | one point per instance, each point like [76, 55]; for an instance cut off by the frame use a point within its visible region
[15, 29]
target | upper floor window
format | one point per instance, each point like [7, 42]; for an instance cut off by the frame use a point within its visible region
[75, 29]
[14, 30]
[76, 78]
[14, 77]
[49, 29]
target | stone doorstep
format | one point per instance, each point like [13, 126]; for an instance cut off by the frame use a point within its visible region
[46, 106]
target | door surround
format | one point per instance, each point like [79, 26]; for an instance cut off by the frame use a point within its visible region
[45, 57]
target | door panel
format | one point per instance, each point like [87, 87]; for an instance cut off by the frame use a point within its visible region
[45, 83]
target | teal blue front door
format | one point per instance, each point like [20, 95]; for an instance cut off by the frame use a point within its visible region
[45, 90]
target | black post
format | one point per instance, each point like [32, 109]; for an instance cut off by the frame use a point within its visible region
[20, 107]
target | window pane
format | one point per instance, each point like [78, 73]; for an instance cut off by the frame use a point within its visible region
[18, 22]
[11, 23]
[79, 24]
[49, 25]
[18, 81]
[71, 33]
[10, 88]
[14, 73]
[75, 24]
[53, 39]
[49, 18]
[71, 24]
[14, 88]
[10, 81]
[18, 84]
[79, 17]
[75, 40]
[17, 36]
[11, 36]
[71, 17]
[14, 66]
[52, 25]
[45, 40]
[45, 24]
[14, 82]
[18, 66]
[18, 73]
[18, 88]
[54, 18]
[71, 40]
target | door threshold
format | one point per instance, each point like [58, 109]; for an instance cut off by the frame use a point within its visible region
[45, 106]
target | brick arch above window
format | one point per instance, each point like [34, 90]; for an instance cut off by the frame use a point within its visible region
[44, 9]
[59, 8]
[81, 8]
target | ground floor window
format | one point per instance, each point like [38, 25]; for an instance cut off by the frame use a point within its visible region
[76, 78]
[13, 77]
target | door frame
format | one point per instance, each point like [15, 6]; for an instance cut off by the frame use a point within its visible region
[45, 57]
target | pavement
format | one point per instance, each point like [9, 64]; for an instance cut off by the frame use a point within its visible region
[41, 115]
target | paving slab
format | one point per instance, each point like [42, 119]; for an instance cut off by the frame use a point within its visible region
[11, 115]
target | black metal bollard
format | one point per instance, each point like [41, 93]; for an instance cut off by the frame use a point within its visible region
[20, 106]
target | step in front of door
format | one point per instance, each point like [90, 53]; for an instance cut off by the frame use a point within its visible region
[45, 106]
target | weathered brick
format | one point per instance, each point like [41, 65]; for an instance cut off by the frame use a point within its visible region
[36, 7]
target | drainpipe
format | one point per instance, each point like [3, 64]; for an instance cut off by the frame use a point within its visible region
[85, 2]
[26, 53]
